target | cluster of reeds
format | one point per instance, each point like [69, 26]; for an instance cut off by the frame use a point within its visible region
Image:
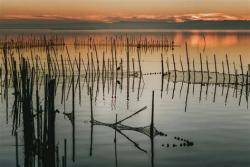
[121, 41]
[91, 71]
[207, 76]
[25, 41]
[38, 123]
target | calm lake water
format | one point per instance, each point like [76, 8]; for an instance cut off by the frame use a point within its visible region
[215, 118]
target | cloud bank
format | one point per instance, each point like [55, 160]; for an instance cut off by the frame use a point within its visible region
[175, 18]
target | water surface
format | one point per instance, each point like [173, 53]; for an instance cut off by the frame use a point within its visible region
[214, 117]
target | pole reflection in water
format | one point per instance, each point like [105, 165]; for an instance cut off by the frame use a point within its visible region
[53, 96]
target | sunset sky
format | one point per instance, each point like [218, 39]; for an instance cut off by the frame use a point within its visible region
[117, 10]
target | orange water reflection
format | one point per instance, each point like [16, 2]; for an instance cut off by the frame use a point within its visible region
[210, 40]
[233, 43]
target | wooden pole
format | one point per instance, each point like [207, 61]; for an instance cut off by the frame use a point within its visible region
[215, 67]
[187, 62]
[241, 66]
[175, 75]
[162, 66]
[228, 71]
[91, 105]
[152, 117]
[201, 68]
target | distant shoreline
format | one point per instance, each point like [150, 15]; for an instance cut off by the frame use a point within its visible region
[132, 29]
[126, 30]
[124, 25]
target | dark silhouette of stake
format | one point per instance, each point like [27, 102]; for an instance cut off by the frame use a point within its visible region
[187, 62]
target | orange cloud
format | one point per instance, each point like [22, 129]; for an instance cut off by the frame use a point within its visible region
[209, 17]
[174, 18]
